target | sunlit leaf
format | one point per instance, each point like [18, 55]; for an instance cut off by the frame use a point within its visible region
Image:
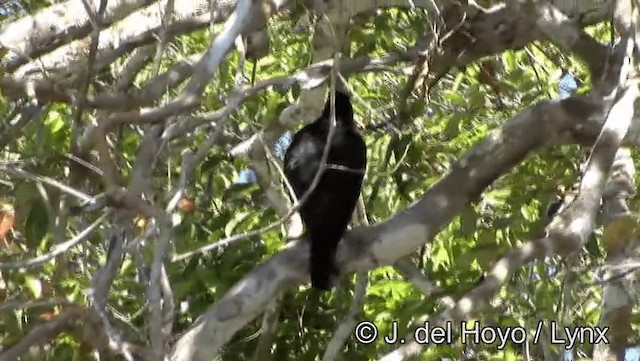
[33, 285]
[37, 224]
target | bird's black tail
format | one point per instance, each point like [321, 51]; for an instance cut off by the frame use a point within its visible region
[322, 261]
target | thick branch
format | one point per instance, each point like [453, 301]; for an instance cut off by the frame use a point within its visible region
[368, 247]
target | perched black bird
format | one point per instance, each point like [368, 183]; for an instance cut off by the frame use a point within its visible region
[328, 210]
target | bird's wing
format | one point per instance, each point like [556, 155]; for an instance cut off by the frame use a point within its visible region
[302, 161]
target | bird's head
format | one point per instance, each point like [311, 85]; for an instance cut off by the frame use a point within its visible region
[344, 109]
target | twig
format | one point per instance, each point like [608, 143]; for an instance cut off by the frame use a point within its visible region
[101, 284]
[156, 329]
[57, 249]
[413, 274]
[52, 182]
[25, 305]
[345, 329]
[162, 41]
[267, 330]
[27, 113]
[347, 325]
[41, 333]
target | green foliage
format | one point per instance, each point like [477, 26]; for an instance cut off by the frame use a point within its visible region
[37, 223]
[404, 163]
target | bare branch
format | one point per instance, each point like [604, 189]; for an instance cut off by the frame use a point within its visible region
[268, 330]
[41, 333]
[25, 305]
[28, 113]
[57, 249]
[415, 276]
[51, 182]
[569, 231]
[549, 122]
[345, 329]
[57, 23]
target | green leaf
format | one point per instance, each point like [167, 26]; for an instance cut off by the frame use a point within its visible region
[453, 126]
[37, 223]
[456, 83]
[237, 219]
[33, 285]
[440, 256]
[468, 219]
[240, 191]
[56, 125]
[455, 98]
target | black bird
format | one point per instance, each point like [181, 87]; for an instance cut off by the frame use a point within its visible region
[327, 211]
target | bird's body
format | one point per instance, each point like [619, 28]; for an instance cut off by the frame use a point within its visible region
[329, 208]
